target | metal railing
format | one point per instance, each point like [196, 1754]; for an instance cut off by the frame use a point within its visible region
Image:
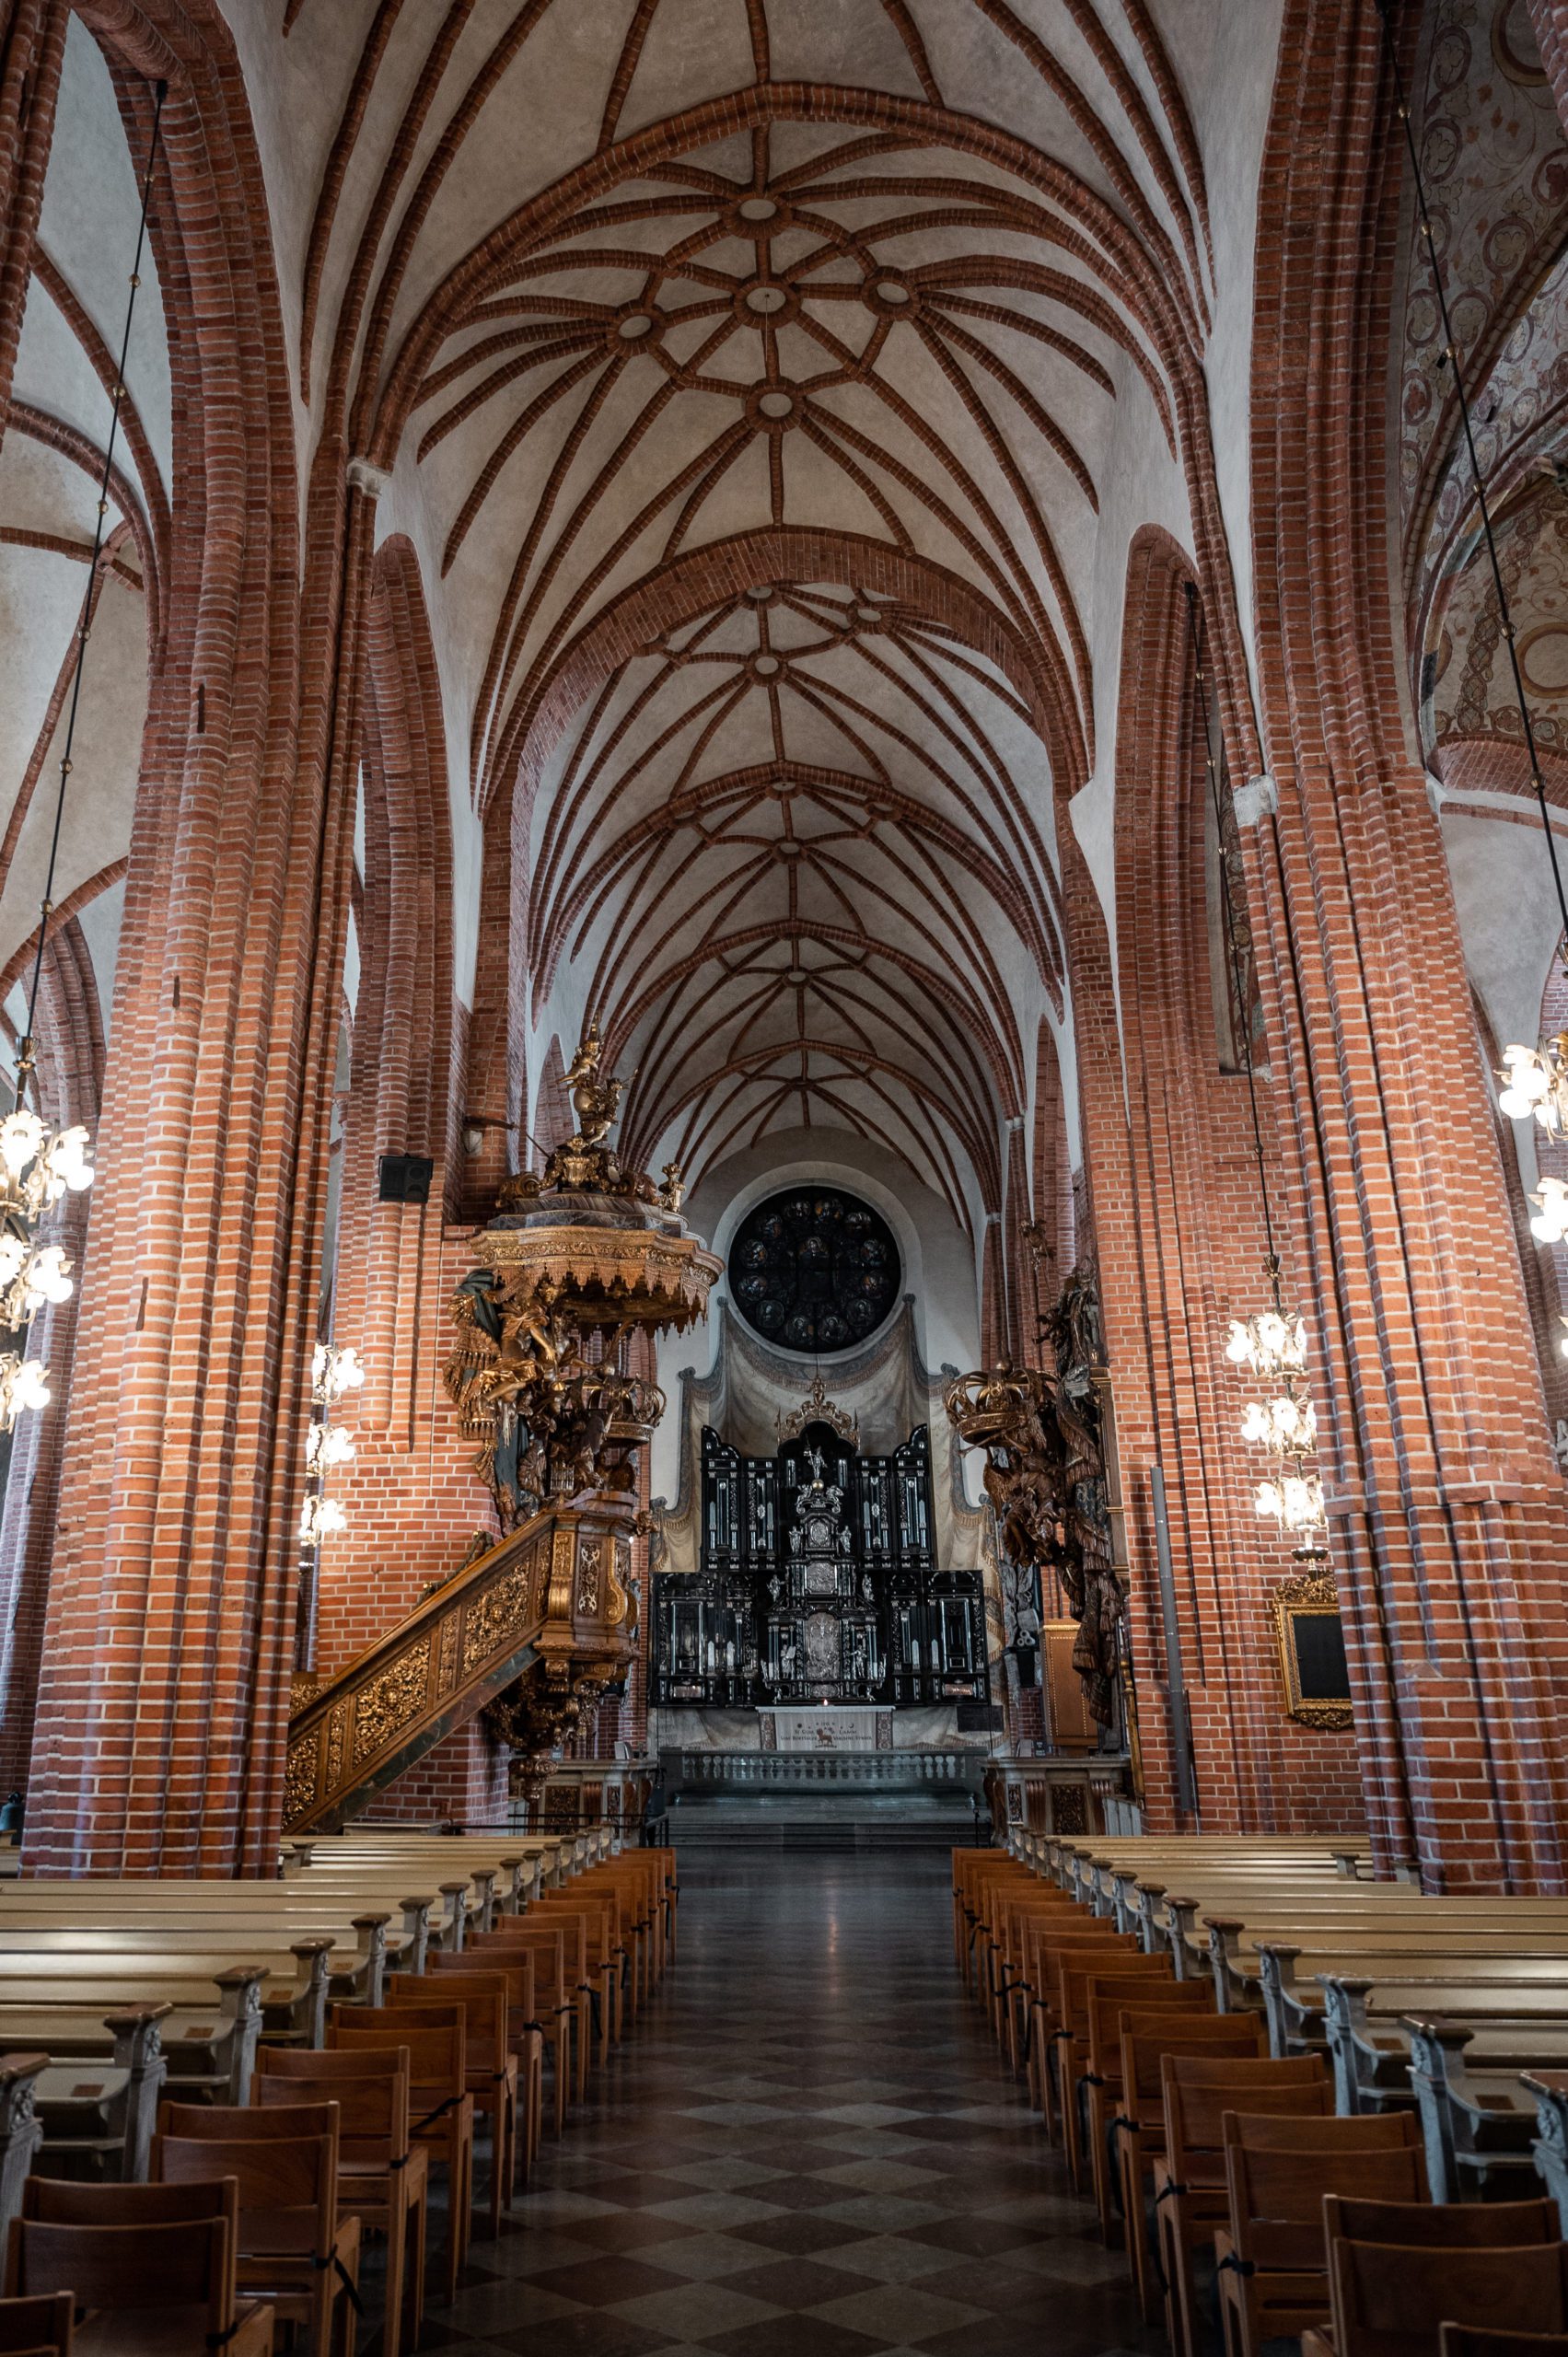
[957, 1770]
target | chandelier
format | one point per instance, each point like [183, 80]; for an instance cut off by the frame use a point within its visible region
[1271, 1344]
[1535, 1081]
[37, 1166]
[333, 1375]
[1272, 1347]
[40, 1164]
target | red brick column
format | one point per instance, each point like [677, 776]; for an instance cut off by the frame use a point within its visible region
[163, 1698]
[1450, 1539]
[1183, 1248]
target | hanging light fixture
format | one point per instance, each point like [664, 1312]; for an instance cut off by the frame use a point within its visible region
[333, 1375]
[1271, 1344]
[39, 1165]
[1534, 1080]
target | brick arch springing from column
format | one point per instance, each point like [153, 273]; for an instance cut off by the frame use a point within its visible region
[161, 1706]
[1022, 1321]
[70, 1068]
[1449, 1534]
[32, 54]
[553, 1120]
[1055, 1241]
[401, 1096]
[409, 1495]
[1184, 1247]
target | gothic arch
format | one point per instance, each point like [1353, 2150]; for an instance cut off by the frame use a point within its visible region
[152, 1755]
[402, 1097]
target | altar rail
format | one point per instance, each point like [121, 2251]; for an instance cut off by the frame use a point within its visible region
[902, 1769]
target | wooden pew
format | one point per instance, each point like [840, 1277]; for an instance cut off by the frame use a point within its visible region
[22, 2132]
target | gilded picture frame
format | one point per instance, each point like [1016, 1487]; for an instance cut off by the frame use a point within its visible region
[1296, 1603]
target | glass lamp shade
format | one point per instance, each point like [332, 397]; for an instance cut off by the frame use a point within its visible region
[23, 1386]
[1270, 1344]
[1535, 1082]
[1285, 1425]
[334, 1372]
[1294, 1502]
[322, 1518]
[327, 1445]
[1549, 1225]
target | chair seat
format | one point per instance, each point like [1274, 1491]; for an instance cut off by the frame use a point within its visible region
[170, 2332]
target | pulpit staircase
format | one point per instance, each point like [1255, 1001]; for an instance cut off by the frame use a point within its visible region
[554, 1592]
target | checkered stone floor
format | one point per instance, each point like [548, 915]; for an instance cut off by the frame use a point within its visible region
[809, 2148]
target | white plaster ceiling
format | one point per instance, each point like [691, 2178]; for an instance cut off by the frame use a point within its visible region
[788, 863]
[606, 284]
[49, 485]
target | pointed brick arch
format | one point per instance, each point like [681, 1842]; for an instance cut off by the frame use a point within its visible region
[1190, 1252]
[161, 1711]
[401, 1094]
[1449, 1534]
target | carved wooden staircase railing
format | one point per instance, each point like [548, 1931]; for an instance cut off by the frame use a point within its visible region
[556, 1593]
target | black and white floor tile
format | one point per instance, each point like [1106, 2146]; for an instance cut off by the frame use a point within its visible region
[809, 2148]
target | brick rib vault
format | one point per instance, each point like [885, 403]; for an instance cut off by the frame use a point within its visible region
[695, 511]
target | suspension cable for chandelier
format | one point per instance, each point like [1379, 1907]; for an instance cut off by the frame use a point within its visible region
[1534, 1080]
[1273, 1344]
[38, 1164]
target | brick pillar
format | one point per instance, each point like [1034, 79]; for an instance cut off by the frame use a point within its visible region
[162, 1703]
[1450, 1538]
[1181, 1248]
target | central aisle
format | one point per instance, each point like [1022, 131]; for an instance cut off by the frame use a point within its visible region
[810, 2149]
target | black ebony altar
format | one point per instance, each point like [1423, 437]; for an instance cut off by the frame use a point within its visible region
[818, 1583]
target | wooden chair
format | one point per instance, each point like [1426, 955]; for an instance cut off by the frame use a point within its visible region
[296, 2249]
[1066, 2053]
[150, 2267]
[513, 1968]
[1452, 2225]
[594, 1913]
[482, 1998]
[1045, 1948]
[440, 2107]
[38, 2328]
[579, 2001]
[1135, 2137]
[1097, 2028]
[383, 2178]
[1020, 1916]
[1270, 2258]
[1189, 2178]
[556, 2004]
[1385, 2301]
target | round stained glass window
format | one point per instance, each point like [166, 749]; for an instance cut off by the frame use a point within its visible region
[814, 1270]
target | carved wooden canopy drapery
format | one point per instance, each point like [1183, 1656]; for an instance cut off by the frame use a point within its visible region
[1046, 1475]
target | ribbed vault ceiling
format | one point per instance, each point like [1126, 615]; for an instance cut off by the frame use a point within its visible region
[606, 284]
[791, 859]
[609, 289]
